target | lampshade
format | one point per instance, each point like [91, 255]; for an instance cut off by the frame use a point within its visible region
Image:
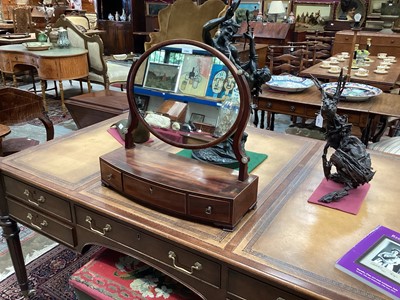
[276, 7]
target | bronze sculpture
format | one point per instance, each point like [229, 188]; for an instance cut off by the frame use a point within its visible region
[223, 153]
[350, 158]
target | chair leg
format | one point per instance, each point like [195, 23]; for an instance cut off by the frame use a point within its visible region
[255, 120]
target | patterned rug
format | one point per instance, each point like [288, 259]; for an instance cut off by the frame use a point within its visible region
[33, 246]
[55, 113]
[49, 275]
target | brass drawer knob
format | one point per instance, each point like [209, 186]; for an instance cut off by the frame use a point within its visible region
[106, 228]
[197, 266]
[208, 210]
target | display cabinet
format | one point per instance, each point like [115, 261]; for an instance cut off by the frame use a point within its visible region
[119, 33]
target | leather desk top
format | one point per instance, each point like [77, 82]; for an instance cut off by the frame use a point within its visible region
[284, 239]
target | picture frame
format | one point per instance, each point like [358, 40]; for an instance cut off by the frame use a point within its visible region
[198, 118]
[312, 15]
[221, 84]
[153, 8]
[361, 8]
[252, 6]
[374, 8]
[162, 76]
[195, 72]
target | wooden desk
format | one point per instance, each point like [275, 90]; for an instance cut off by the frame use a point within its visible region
[383, 81]
[53, 64]
[285, 247]
[308, 103]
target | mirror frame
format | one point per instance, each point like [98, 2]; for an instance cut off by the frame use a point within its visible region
[239, 124]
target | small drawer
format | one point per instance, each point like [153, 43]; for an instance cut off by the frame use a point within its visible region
[154, 194]
[281, 107]
[38, 198]
[110, 176]
[182, 260]
[106, 227]
[245, 287]
[209, 209]
[170, 255]
[42, 223]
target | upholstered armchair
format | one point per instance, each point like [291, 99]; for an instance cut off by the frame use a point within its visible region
[184, 19]
[100, 71]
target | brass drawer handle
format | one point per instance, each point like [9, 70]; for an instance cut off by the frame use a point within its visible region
[43, 224]
[292, 108]
[197, 266]
[208, 210]
[106, 228]
[34, 201]
[109, 177]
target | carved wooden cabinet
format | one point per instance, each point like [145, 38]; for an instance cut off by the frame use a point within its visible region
[118, 36]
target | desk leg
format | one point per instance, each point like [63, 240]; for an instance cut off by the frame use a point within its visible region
[64, 108]
[89, 86]
[11, 234]
[43, 85]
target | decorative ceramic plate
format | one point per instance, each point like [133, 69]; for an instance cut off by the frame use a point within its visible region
[16, 35]
[37, 46]
[289, 83]
[353, 91]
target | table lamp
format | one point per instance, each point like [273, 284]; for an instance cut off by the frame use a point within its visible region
[276, 8]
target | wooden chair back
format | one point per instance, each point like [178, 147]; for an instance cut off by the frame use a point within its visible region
[309, 52]
[94, 44]
[286, 59]
[323, 46]
[22, 19]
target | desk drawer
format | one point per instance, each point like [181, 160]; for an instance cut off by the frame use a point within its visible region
[111, 176]
[209, 209]
[281, 107]
[152, 247]
[154, 194]
[38, 198]
[241, 286]
[42, 223]
[22, 59]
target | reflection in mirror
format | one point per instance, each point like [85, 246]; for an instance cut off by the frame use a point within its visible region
[186, 95]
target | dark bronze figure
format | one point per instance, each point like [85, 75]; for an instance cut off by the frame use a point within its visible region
[350, 158]
[223, 42]
[223, 153]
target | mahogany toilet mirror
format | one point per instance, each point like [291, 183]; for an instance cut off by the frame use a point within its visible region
[170, 86]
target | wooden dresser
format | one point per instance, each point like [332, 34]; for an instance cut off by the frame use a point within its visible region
[285, 248]
[381, 42]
